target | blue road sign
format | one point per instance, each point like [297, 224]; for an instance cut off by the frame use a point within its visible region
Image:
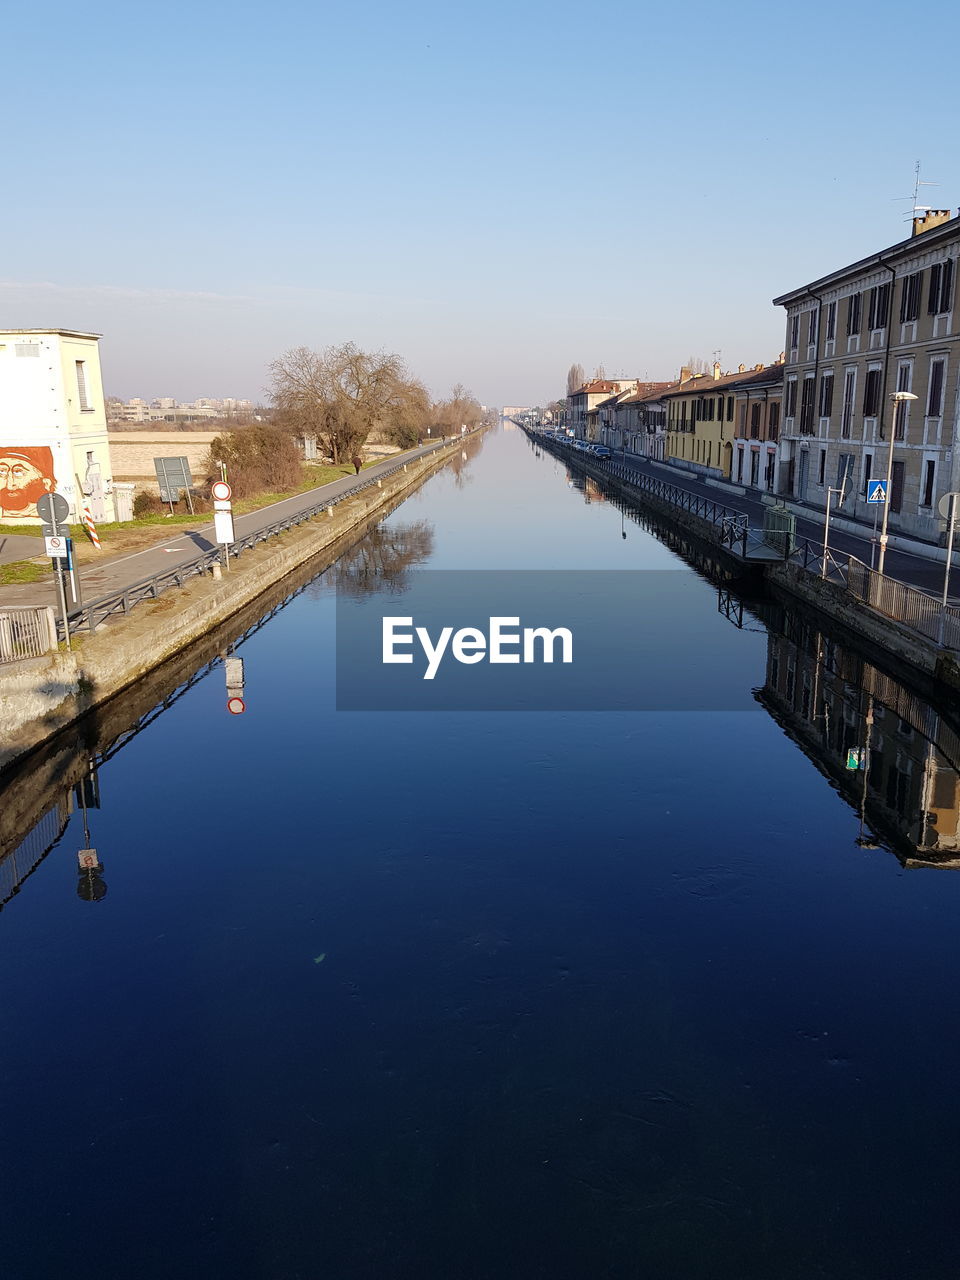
[877, 491]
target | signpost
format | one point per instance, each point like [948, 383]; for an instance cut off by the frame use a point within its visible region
[173, 474]
[53, 510]
[223, 516]
[876, 494]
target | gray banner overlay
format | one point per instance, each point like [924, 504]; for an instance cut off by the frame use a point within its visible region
[619, 641]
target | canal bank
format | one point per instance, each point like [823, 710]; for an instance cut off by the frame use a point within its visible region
[41, 695]
[747, 556]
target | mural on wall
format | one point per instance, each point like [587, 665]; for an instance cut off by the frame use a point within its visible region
[26, 472]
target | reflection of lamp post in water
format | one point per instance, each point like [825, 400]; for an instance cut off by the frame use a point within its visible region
[866, 842]
[91, 886]
[898, 398]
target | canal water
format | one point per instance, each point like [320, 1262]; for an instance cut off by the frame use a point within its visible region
[489, 994]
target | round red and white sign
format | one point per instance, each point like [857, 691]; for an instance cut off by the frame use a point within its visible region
[220, 490]
[236, 706]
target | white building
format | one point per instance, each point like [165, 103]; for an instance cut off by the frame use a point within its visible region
[53, 424]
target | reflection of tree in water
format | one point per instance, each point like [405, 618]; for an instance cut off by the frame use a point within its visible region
[382, 558]
[468, 450]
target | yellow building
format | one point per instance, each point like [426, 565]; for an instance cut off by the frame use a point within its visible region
[701, 424]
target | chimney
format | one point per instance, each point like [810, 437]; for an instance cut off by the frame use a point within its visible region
[782, 358]
[931, 218]
[684, 374]
[716, 370]
[741, 368]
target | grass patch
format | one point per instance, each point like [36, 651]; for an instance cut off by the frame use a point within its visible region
[21, 571]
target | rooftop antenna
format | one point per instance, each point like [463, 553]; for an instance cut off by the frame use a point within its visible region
[914, 199]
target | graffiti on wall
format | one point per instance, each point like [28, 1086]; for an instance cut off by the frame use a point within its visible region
[26, 472]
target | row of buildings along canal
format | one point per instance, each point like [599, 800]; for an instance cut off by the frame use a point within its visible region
[821, 415]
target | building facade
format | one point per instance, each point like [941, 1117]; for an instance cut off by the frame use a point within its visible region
[854, 338]
[756, 419]
[53, 425]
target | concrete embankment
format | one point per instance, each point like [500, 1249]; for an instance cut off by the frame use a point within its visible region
[40, 696]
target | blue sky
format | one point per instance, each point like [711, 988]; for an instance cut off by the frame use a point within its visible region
[493, 191]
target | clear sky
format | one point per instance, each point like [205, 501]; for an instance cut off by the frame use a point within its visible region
[495, 191]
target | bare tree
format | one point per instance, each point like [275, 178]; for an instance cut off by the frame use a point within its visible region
[696, 364]
[462, 409]
[339, 394]
[576, 377]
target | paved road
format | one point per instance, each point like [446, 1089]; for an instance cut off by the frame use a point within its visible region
[114, 574]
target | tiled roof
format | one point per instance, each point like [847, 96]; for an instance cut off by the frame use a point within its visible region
[705, 383]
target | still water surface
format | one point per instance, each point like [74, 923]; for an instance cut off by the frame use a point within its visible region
[488, 994]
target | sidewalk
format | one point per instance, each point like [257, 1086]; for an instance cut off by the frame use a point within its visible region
[112, 575]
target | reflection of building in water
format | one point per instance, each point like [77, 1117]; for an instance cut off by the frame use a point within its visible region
[888, 753]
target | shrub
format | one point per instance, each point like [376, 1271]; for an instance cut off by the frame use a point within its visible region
[146, 504]
[258, 459]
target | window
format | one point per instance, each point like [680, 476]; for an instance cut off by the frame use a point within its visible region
[826, 394]
[867, 470]
[742, 417]
[794, 331]
[82, 386]
[910, 297]
[844, 470]
[871, 393]
[902, 407]
[853, 314]
[821, 475]
[755, 420]
[729, 408]
[791, 408]
[755, 467]
[941, 288]
[929, 471]
[806, 407]
[812, 329]
[831, 332]
[935, 389]
[773, 419]
[879, 306]
[849, 392]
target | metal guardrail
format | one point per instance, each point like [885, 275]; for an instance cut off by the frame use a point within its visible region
[27, 633]
[909, 606]
[733, 526]
[92, 613]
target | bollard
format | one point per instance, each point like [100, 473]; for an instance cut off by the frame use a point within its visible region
[379, 484]
[330, 512]
[216, 571]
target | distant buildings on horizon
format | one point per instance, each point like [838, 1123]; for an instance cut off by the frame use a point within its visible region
[167, 409]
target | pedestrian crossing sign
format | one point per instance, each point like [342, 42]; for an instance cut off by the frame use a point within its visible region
[877, 491]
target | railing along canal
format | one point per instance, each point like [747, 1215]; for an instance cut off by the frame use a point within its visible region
[909, 606]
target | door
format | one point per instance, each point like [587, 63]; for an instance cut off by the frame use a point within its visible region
[803, 469]
[896, 487]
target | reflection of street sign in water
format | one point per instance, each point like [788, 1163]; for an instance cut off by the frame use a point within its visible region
[877, 491]
[173, 475]
[855, 758]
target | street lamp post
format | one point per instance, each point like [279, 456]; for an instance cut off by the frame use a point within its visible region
[898, 398]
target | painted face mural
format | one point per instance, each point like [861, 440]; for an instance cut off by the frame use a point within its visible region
[26, 472]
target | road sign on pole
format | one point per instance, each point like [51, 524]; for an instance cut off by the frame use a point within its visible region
[877, 491]
[56, 548]
[221, 491]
